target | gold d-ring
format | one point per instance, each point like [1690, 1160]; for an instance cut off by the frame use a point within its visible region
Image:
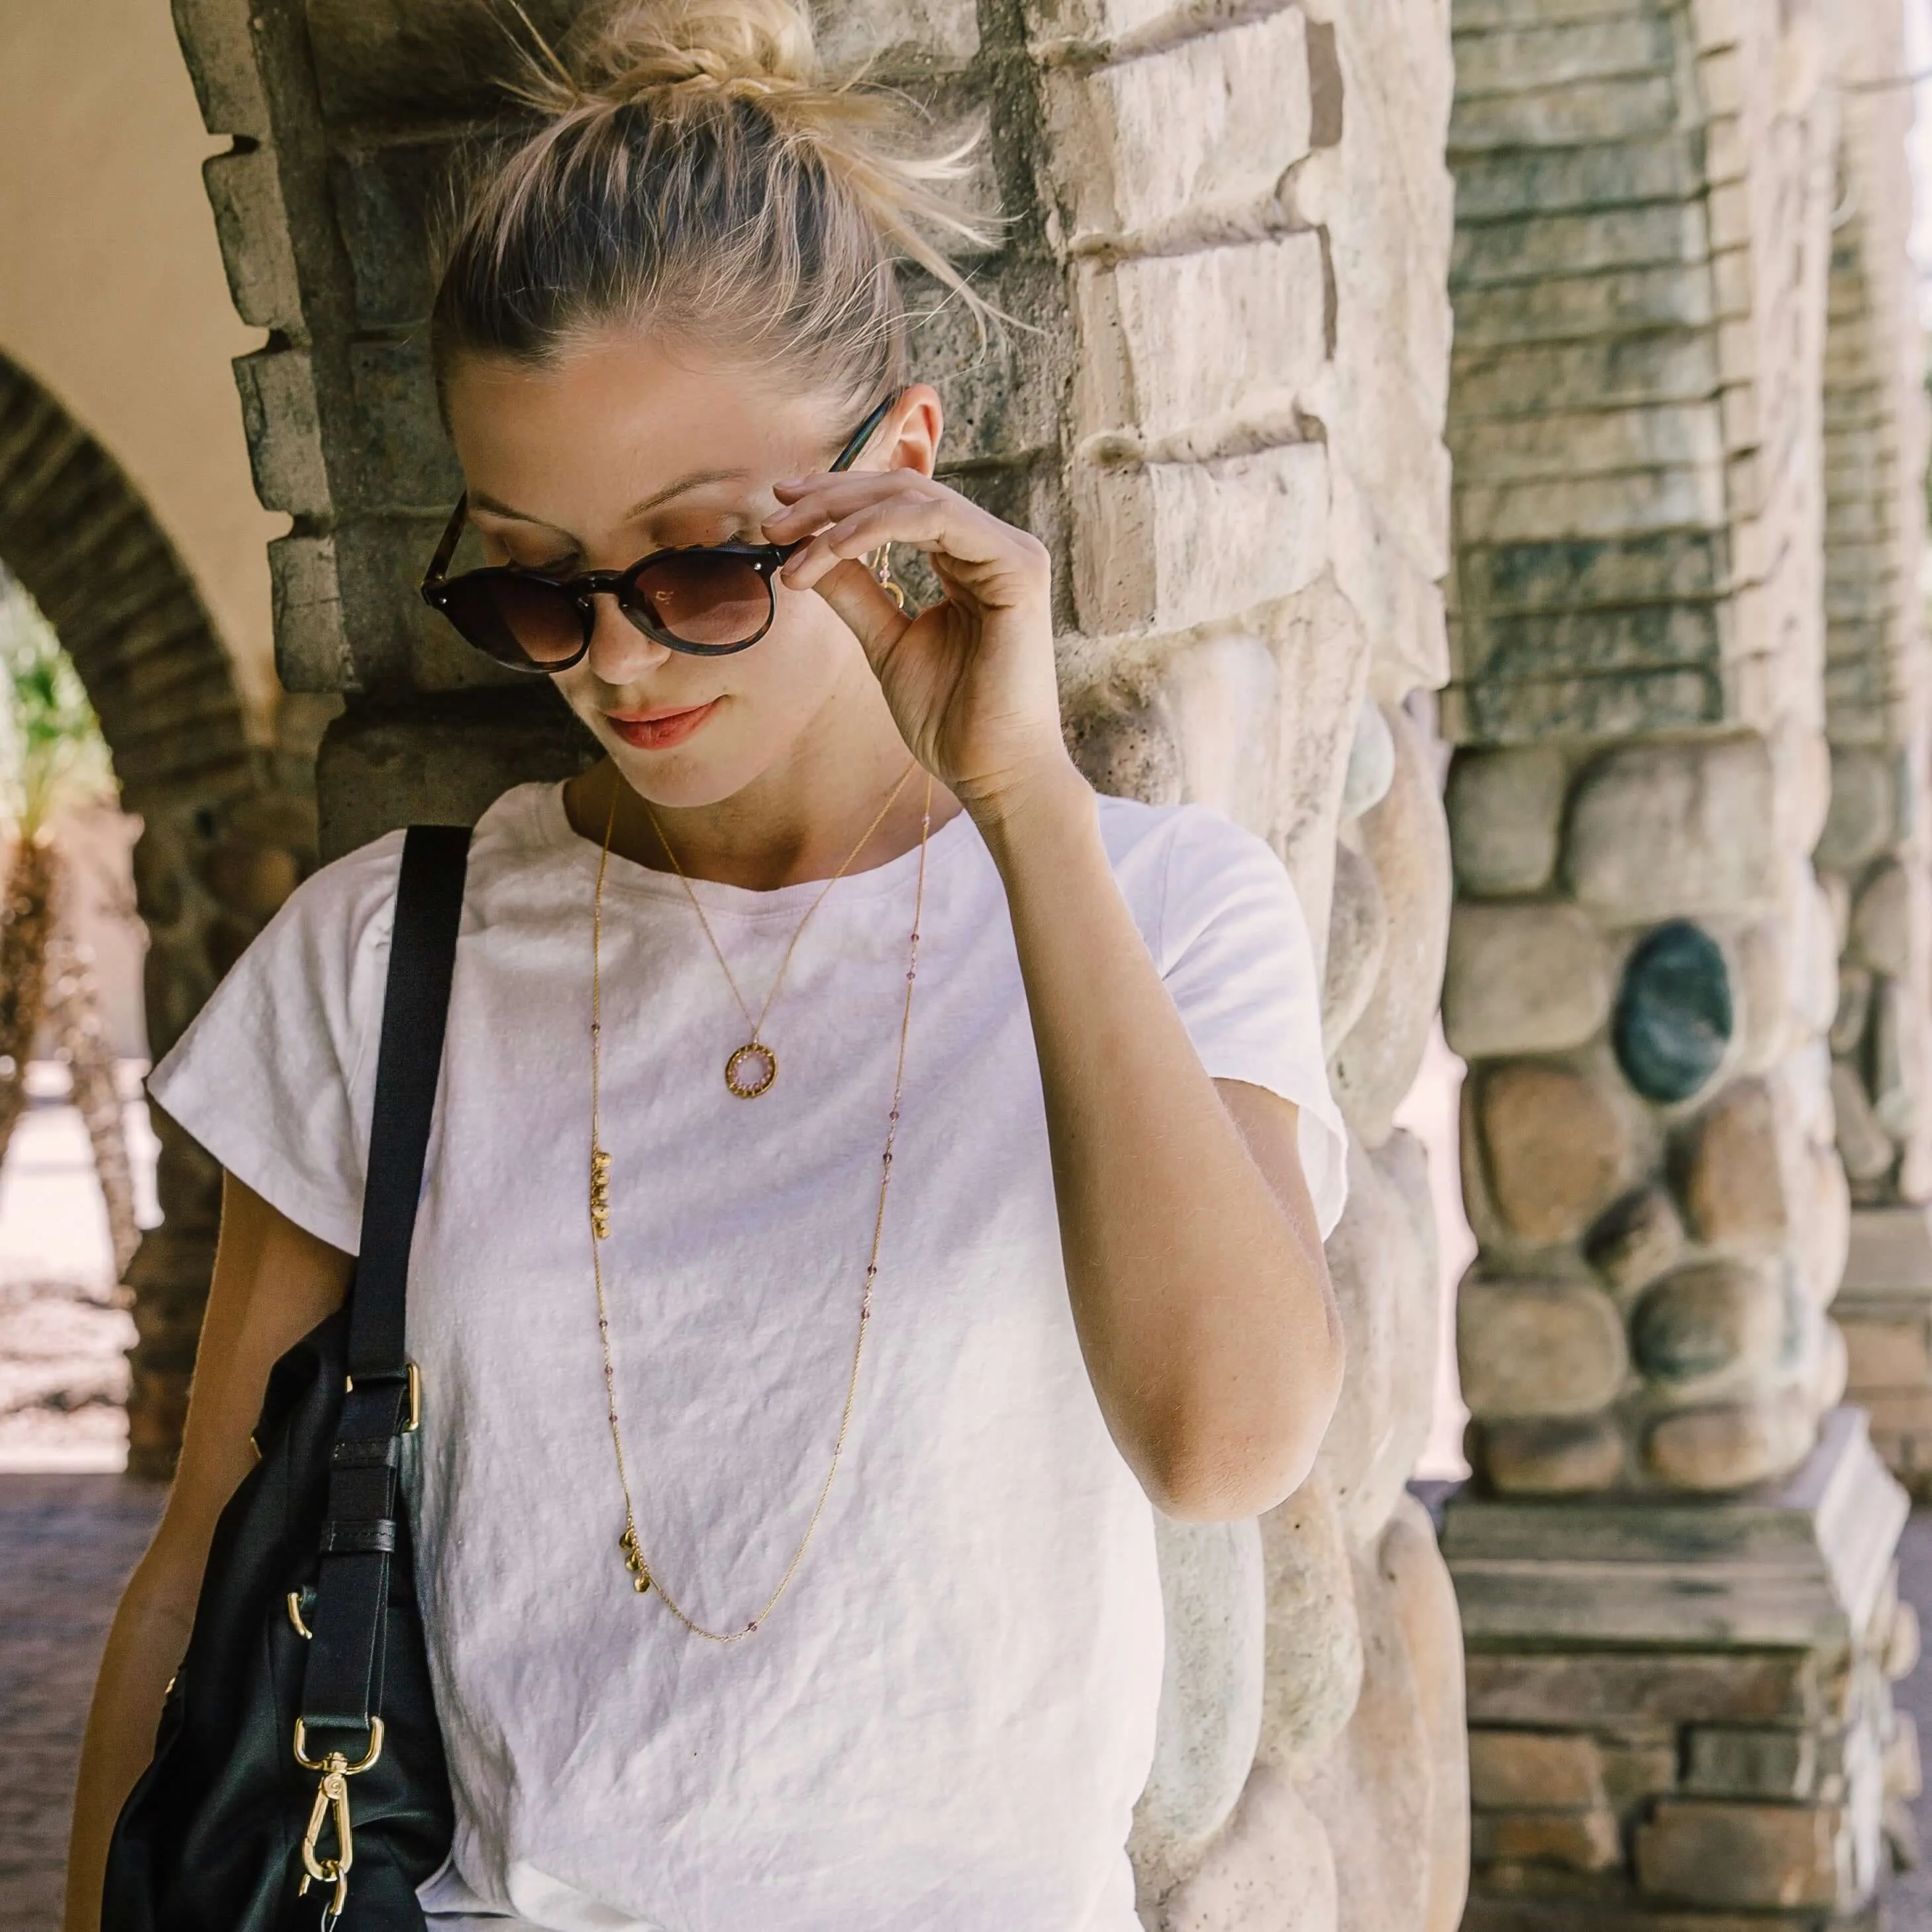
[308, 1763]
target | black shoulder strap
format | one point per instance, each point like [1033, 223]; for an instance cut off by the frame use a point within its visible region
[343, 1685]
[429, 904]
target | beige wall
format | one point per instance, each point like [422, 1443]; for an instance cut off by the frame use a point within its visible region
[112, 292]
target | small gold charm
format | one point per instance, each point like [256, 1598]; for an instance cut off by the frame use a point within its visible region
[600, 1194]
[634, 1559]
[764, 1063]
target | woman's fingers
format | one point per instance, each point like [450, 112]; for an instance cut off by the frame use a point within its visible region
[945, 524]
[867, 607]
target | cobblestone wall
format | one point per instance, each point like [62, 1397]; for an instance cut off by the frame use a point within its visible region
[1229, 231]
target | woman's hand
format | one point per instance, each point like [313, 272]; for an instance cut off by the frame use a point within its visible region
[970, 681]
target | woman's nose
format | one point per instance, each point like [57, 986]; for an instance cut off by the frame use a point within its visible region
[620, 653]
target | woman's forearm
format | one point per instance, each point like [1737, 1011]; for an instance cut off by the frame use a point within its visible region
[145, 1646]
[1199, 1287]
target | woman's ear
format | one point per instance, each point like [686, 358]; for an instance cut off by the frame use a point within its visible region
[916, 423]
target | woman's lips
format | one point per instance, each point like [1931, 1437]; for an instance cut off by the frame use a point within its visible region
[654, 730]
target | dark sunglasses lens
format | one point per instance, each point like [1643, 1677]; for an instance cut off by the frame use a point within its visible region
[706, 598]
[517, 620]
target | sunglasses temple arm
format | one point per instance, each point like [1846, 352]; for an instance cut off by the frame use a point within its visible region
[446, 549]
[862, 436]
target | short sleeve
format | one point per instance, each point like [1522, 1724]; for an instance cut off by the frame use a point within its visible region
[274, 1077]
[1234, 953]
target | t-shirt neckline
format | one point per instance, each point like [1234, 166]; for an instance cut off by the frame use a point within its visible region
[551, 822]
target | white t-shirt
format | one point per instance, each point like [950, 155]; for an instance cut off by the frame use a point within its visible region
[945, 1724]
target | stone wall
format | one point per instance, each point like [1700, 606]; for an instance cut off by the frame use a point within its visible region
[1229, 232]
[1643, 967]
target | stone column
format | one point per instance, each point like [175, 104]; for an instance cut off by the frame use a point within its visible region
[1874, 857]
[1673, 1586]
[1228, 233]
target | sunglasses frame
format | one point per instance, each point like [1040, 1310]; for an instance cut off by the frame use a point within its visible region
[765, 560]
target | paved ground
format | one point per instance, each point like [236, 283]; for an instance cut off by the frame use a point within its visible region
[67, 1543]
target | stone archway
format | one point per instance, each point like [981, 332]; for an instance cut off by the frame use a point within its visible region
[229, 826]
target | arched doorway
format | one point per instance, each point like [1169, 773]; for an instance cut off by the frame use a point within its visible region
[229, 825]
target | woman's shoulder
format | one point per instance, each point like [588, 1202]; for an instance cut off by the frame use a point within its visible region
[1157, 849]
[351, 900]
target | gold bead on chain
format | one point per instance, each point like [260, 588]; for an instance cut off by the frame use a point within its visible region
[630, 1543]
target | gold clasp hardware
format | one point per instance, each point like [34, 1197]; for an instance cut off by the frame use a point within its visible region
[331, 1803]
[415, 1397]
[295, 1617]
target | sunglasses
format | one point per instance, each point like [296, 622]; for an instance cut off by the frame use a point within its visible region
[707, 600]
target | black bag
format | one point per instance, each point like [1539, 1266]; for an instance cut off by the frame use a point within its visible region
[276, 1746]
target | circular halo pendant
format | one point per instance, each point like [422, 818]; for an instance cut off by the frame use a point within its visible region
[751, 1069]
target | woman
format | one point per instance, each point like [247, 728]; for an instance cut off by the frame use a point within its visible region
[783, 1537]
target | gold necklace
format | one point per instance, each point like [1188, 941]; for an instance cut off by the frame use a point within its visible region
[755, 1052]
[642, 1577]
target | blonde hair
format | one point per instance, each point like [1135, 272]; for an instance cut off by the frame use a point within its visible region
[694, 171]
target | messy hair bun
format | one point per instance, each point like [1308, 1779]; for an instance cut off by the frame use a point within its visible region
[689, 166]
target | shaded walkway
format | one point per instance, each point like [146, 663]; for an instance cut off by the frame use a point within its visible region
[67, 1543]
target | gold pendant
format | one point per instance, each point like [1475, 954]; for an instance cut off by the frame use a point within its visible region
[766, 1063]
[633, 1560]
[600, 1194]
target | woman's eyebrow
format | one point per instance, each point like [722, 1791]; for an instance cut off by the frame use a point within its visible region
[696, 480]
[481, 500]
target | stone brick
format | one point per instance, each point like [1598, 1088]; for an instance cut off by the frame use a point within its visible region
[1637, 1240]
[245, 193]
[1538, 1348]
[1556, 1151]
[1523, 979]
[1723, 1762]
[1766, 1857]
[1864, 815]
[1618, 705]
[1667, 167]
[1713, 1319]
[1734, 1182]
[1660, 566]
[1214, 121]
[1529, 60]
[1885, 1352]
[1565, 117]
[1663, 830]
[1550, 1456]
[1164, 545]
[1615, 371]
[1885, 916]
[1566, 446]
[1729, 1445]
[1540, 244]
[1583, 1841]
[1552, 507]
[1505, 817]
[1649, 637]
[1577, 308]
[1586, 1689]
[931, 31]
[278, 412]
[1175, 341]
[1531, 1770]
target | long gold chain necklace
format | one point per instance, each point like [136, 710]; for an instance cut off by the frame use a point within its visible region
[643, 1578]
[754, 1054]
